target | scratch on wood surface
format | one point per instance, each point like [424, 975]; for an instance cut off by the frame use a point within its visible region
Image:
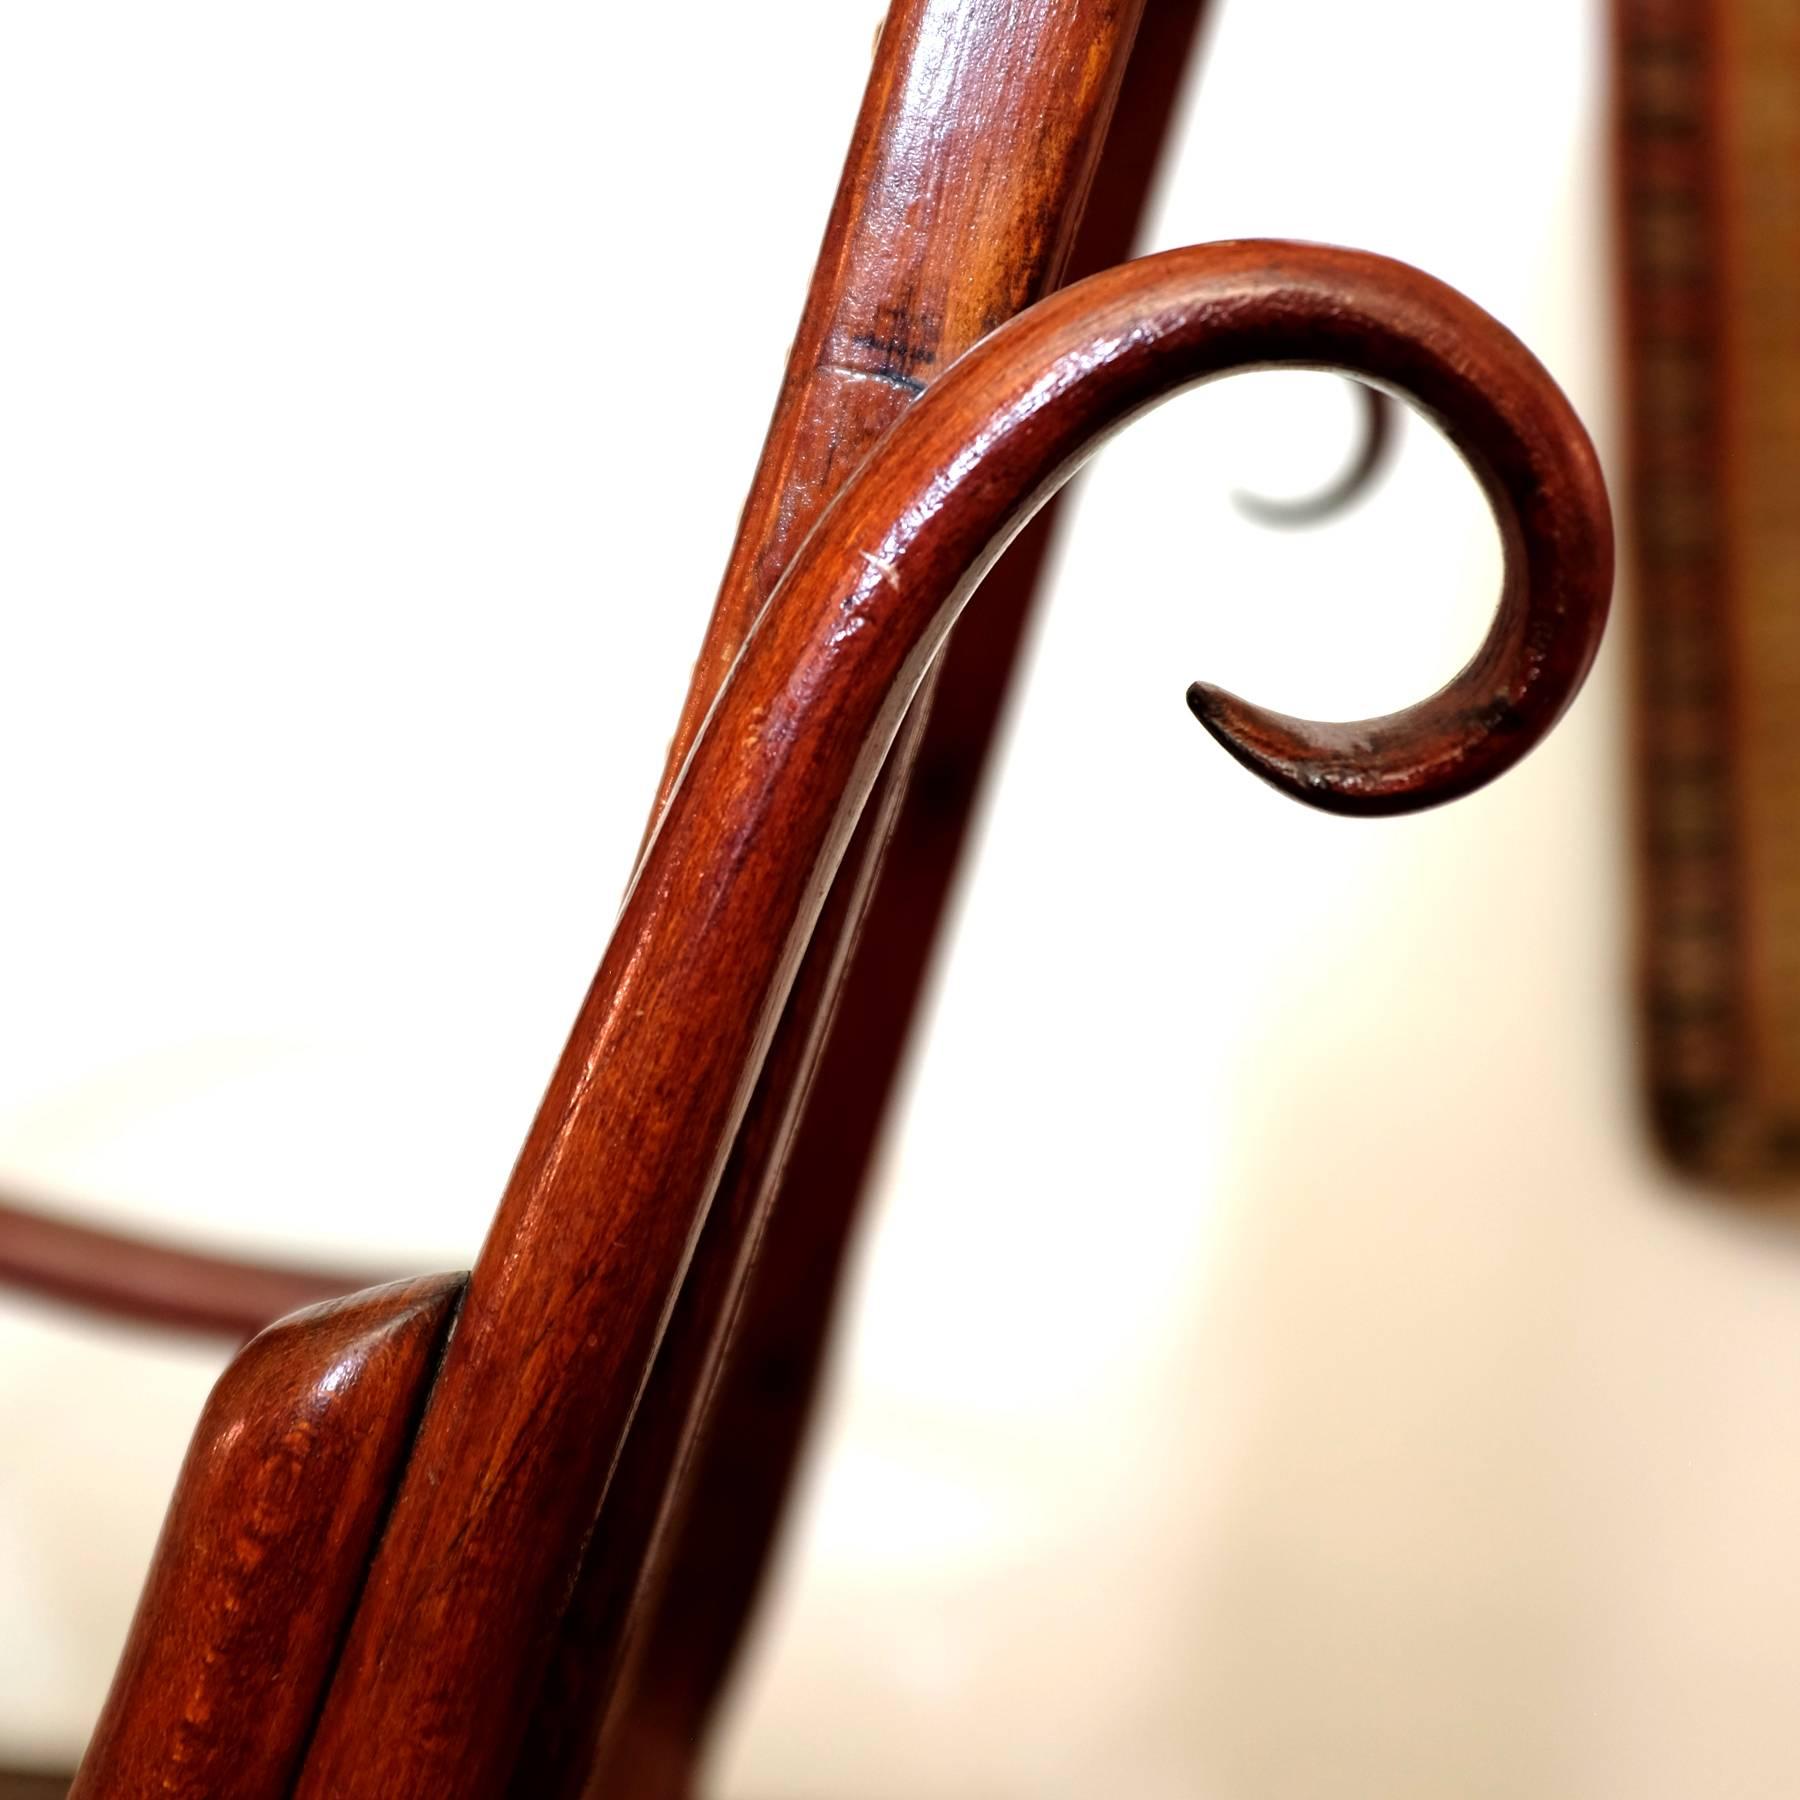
[889, 573]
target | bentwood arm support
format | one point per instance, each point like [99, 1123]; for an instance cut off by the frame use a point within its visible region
[982, 133]
[566, 1305]
[669, 1584]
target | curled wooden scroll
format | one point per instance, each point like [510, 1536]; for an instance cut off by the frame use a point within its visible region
[566, 1306]
[1010, 423]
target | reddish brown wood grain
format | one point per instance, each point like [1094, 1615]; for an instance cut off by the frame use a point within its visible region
[695, 1593]
[568, 1301]
[154, 1283]
[263, 1553]
[972, 155]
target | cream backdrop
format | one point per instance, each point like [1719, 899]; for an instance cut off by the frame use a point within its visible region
[1275, 1369]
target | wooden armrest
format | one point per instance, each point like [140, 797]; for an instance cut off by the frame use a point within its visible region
[156, 1283]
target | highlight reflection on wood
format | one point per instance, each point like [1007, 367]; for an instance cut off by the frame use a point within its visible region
[972, 156]
[649, 1683]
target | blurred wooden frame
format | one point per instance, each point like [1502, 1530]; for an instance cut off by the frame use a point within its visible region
[1707, 124]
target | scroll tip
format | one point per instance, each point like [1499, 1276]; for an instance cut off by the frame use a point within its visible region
[1369, 768]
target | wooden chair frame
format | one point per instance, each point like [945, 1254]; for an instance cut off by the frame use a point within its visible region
[499, 1535]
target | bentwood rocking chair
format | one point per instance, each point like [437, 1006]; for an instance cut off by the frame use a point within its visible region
[498, 1533]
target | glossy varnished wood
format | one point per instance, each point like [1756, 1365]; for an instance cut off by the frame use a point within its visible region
[973, 152]
[263, 1553]
[691, 1593]
[567, 1303]
[973, 149]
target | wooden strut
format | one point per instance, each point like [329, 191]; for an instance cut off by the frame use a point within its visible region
[693, 1595]
[979, 141]
[491, 1639]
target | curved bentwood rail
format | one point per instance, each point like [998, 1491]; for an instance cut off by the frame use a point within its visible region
[566, 1305]
[1009, 423]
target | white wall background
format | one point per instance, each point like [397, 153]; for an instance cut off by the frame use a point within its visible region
[1276, 1370]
